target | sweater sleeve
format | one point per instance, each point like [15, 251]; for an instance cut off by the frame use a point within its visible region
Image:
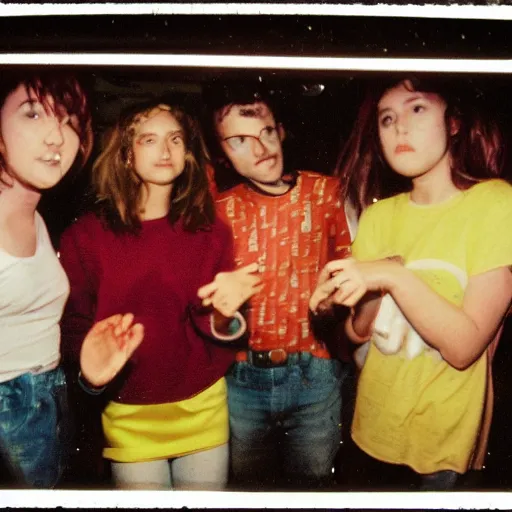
[78, 315]
[224, 262]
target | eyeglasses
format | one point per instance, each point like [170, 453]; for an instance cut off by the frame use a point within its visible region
[268, 135]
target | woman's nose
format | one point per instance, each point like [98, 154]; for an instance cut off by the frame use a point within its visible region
[54, 136]
[166, 151]
[401, 125]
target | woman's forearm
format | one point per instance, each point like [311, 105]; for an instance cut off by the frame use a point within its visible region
[360, 322]
[460, 334]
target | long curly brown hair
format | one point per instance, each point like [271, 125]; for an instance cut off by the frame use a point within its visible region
[118, 187]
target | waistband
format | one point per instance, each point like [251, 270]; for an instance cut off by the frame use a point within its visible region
[36, 370]
[279, 356]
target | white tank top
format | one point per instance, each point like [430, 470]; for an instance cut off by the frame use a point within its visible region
[33, 293]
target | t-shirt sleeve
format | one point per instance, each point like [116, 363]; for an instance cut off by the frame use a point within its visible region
[490, 241]
[352, 218]
[78, 315]
[339, 239]
[341, 232]
[366, 246]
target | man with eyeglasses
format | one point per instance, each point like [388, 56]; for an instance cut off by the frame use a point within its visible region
[284, 390]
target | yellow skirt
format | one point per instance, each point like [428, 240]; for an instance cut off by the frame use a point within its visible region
[136, 433]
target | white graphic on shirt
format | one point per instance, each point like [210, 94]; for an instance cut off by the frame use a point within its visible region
[391, 330]
[305, 226]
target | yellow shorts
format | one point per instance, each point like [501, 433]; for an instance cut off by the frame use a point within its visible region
[136, 433]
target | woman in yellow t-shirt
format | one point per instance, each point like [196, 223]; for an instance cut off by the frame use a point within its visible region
[429, 283]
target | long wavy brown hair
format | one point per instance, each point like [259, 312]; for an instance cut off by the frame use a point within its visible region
[476, 150]
[118, 187]
[67, 95]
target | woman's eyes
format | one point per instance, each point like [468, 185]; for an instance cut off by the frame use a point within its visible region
[37, 112]
[386, 120]
[33, 114]
[176, 140]
[389, 119]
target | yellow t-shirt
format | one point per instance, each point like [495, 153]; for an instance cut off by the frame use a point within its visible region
[421, 411]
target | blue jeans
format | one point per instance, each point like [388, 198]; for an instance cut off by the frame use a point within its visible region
[285, 421]
[439, 481]
[34, 426]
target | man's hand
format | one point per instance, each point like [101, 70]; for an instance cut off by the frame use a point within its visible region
[229, 290]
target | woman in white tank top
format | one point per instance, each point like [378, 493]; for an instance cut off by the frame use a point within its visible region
[45, 129]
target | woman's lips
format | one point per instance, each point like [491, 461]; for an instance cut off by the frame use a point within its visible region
[403, 148]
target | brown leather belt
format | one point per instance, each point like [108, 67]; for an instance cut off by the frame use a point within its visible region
[270, 358]
[279, 356]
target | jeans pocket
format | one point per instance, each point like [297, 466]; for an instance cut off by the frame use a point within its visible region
[326, 373]
[14, 404]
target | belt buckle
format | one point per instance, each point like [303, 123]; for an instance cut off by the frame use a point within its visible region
[277, 356]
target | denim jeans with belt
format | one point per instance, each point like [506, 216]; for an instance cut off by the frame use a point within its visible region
[34, 427]
[285, 421]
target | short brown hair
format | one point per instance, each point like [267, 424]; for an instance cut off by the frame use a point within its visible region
[66, 93]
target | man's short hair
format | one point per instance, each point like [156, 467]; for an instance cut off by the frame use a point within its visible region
[220, 97]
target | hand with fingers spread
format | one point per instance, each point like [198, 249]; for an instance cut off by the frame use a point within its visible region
[229, 290]
[107, 347]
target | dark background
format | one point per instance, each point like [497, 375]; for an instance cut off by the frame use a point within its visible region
[316, 125]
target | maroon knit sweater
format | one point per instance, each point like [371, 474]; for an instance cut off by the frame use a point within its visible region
[155, 275]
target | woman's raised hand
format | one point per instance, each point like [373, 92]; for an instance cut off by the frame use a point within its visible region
[229, 290]
[345, 282]
[107, 347]
[339, 282]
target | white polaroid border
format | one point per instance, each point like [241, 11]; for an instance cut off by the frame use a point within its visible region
[464, 11]
[263, 62]
[257, 500]
[106, 499]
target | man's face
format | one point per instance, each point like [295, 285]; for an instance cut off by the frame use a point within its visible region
[251, 140]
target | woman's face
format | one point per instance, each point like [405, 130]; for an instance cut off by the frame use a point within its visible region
[39, 146]
[412, 131]
[159, 149]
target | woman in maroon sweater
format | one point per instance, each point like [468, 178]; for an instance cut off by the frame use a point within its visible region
[155, 255]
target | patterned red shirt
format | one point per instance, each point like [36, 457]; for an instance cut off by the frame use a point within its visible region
[291, 236]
